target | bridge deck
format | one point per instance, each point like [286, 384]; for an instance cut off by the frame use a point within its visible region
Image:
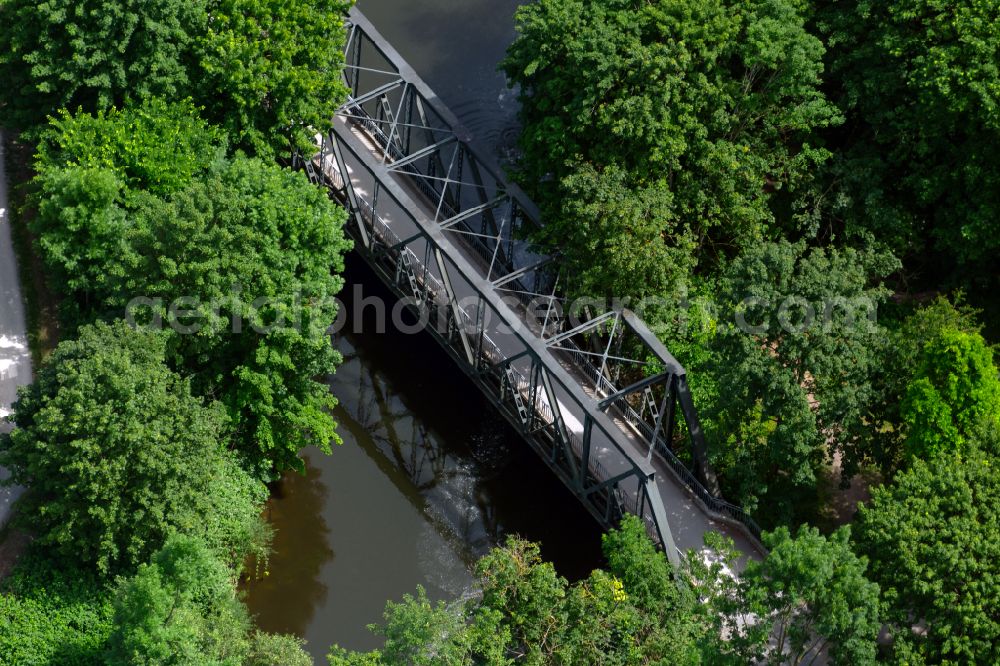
[688, 521]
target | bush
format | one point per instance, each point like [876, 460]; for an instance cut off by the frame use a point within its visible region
[117, 453]
[53, 615]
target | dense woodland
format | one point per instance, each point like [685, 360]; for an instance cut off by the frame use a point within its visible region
[727, 161]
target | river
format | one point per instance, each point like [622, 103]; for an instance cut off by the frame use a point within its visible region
[429, 477]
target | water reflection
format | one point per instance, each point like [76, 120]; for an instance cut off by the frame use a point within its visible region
[301, 550]
[429, 476]
[428, 479]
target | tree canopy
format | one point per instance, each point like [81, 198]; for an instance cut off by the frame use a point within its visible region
[265, 70]
[934, 548]
[94, 54]
[270, 70]
[116, 451]
[955, 388]
[182, 608]
[901, 354]
[814, 591]
[704, 108]
[920, 86]
[631, 613]
[249, 254]
[795, 361]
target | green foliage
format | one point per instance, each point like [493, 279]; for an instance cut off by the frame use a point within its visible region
[235, 529]
[956, 386]
[268, 247]
[157, 146]
[619, 247]
[934, 548]
[276, 650]
[809, 596]
[115, 450]
[53, 615]
[262, 69]
[95, 54]
[701, 112]
[811, 591]
[421, 633]
[815, 591]
[252, 251]
[181, 608]
[901, 359]
[920, 85]
[795, 361]
[528, 593]
[269, 70]
[631, 614]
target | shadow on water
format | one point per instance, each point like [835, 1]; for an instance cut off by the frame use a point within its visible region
[296, 502]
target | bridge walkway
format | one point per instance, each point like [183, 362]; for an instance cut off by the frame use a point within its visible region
[450, 240]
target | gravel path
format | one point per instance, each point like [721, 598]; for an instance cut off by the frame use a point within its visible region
[15, 358]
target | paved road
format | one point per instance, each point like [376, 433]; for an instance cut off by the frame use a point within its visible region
[15, 359]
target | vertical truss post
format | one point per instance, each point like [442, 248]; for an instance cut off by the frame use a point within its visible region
[357, 60]
[480, 328]
[660, 519]
[665, 411]
[699, 449]
[588, 431]
[604, 358]
[352, 196]
[560, 428]
[455, 308]
[435, 158]
[489, 220]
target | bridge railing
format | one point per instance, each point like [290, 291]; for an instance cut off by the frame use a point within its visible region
[565, 448]
[420, 142]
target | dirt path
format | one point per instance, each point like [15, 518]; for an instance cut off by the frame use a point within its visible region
[15, 357]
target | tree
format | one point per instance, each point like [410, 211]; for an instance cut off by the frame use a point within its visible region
[665, 620]
[248, 253]
[94, 54]
[90, 168]
[277, 650]
[956, 386]
[156, 146]
[619, 248]
[795, 362]
[813, 591]
[263, 247]
[934, 549]
[708, 107]
[919, 84]
[116, 451]
[270, 70]
[265, 70]
[53, 615]
[901, 359]
[632, 613]
[181, 608]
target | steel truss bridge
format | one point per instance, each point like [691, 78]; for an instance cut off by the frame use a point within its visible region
[591, 389]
